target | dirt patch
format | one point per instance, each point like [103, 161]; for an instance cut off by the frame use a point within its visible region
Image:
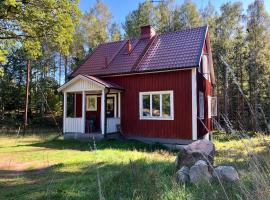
[9, 166]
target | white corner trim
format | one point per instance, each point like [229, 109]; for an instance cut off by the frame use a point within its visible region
[83, 112]
[102, 112]
[194, 103]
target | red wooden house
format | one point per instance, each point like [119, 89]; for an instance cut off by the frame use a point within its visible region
[157, 87]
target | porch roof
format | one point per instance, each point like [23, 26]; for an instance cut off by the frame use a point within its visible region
[91, 80]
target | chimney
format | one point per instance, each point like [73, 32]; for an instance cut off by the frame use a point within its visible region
[129, 47]
[147, 31]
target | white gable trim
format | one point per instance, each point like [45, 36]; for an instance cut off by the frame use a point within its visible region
[194, 103]
[80, 83]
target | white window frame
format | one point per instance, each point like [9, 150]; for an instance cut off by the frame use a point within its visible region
[213, 106]
[209, 100]
[206, 67]
[115, 104]
[201, 105]
[87, 105]
[170, 92]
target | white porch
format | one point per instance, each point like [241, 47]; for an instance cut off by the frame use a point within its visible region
[91, 86]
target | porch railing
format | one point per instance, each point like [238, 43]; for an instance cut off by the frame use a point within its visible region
[112, 124]
[74, 125]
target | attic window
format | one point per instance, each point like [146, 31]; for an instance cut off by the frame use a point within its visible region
[206, 67]
[205, 64]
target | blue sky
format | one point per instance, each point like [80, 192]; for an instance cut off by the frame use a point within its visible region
[120, 8]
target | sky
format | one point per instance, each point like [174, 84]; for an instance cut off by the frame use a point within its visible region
[121, 8]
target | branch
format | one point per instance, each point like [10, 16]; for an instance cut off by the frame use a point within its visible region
[21, 36]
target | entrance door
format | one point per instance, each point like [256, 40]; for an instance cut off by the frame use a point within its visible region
[93, 113]
[110, 107]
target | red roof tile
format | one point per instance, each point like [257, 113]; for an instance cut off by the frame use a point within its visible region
[180, 49]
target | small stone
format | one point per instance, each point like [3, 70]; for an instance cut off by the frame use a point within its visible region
[199, 172]
[182, 175]
[227, 173]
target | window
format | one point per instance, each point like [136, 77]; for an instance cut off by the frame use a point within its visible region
[71, 105]
[209, 107]
[91, 103]
[201, 105]
[156, 105]
[205, 64]
[213, 106]
[110, 107]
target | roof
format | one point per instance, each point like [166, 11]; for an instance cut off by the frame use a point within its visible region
[106, 84]
[174, 50]
[95, 80]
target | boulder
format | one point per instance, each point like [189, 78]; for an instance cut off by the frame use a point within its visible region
[198, 150]
[227, 173]
[182, 175]
[199, 173]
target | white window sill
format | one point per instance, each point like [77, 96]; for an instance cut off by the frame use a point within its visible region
[156, 118]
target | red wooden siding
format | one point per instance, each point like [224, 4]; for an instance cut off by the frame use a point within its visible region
[179, 82]
[78, 109]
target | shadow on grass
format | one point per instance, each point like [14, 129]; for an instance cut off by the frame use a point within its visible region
[140, 179]
[108, 144]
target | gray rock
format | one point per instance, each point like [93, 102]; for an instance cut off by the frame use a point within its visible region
[182, 175]
[227, 173]
[199, 173]
[198, 150]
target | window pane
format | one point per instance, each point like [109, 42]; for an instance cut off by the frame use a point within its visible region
[201, 105]
[110, 107]
[71, 105]
[166, 105]
[146, 105]
[156, 105]
[214, 106]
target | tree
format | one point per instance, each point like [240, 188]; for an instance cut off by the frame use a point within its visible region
[96, 23]
[258, 62]
[142, 16]
[32, 23]
[227, 26]
[115, 33]
[186, 16]
[164, 15]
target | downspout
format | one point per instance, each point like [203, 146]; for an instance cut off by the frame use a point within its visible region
[107, 91]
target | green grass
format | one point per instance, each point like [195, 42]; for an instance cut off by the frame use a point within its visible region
[35, 167]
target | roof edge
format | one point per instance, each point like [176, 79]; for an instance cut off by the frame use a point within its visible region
[205, 34]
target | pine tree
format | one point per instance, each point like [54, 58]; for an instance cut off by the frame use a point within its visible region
[258, 62]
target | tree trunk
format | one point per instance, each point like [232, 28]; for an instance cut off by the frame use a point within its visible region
[225, 97]
[65, 65]
[27, 95]
[60, 67]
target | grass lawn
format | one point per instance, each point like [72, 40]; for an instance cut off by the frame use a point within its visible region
[36, 167]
